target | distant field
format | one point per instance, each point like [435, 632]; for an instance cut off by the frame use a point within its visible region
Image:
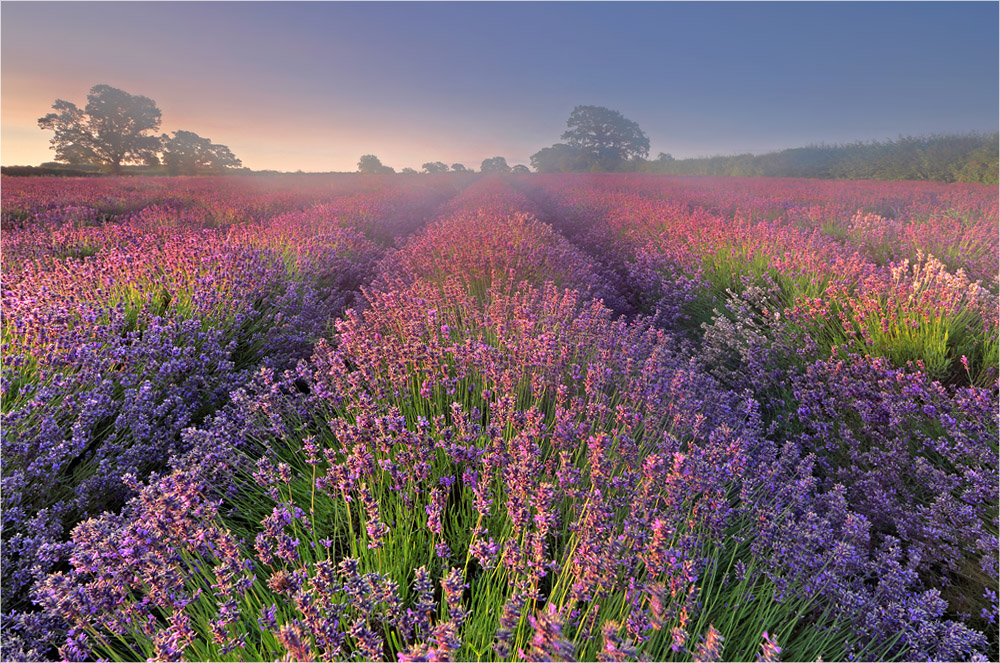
[459, 417]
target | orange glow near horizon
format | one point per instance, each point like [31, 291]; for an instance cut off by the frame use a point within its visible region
[254, 133]
[314, 85]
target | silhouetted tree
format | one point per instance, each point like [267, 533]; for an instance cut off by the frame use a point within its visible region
[370, 164]
[560, 158]
[78, 155]
[495, 165]
[408, 171]
[605, 136]
[114, 128]
[187, 153]
[459, 168]
[434, 167]
[520, 169]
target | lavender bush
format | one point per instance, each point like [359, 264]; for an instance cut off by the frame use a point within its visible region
[364, 419]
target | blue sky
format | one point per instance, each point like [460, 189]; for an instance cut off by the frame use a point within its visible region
[313, 86]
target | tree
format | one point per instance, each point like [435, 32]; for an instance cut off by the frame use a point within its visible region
[495, 165]
[560, 158]
[459, 168]
[78, 155]
[434, 167]
[520, 169]
[114, 128]
[371, 165]
[605, 136]
[187, 153]
[408, 171]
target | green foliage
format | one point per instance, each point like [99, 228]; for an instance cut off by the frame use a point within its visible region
[731, 269]
[942, 158]
[45, 171]
[936, 340]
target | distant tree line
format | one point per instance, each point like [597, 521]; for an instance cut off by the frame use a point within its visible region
[942, 158]
[117, 128]
[47, 170]
[602, 140]
[370, 164]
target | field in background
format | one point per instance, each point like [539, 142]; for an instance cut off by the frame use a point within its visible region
[533, 417]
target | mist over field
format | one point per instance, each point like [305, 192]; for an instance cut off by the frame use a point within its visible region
[431, 332]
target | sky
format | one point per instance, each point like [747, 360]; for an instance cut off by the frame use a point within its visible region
[313, 86]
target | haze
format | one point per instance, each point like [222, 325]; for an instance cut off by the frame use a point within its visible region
[312, 86]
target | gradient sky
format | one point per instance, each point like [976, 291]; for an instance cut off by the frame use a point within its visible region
[313, 86]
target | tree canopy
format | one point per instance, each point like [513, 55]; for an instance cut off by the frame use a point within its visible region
[560, 158]
[434, 167]
[605, 135]
[371, 165]
[114, 128]
[598, 139]
[495, 165]
[187, 153]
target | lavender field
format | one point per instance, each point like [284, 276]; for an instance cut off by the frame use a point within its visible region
[464, 417]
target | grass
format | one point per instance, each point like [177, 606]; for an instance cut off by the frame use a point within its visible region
[731, 269]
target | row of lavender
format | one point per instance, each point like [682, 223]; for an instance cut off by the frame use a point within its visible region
[131, 311]
[875, 359]
[482, 462]
[446, 327]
